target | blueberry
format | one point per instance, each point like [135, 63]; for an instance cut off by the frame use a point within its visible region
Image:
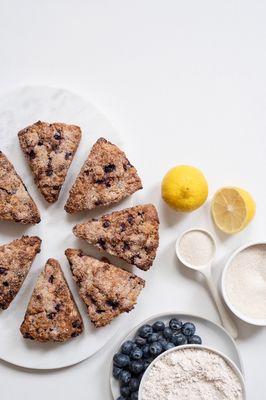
[164, 343]
[188, 329]
[145, 331]
[146, 364]
[140, 341]
[167, 333]
[136, 353]
[158, 326]
[136, 366]
[121, 398]
[195, 339]
[116, 372]
[134, 384]
[125, 376]
[178, 339]
[156, 348]
[125, 391]
[127, 347]
[154, 337]
[121, 360]
[175, 324]
[146, 350]
[134, 396]
[169, 346]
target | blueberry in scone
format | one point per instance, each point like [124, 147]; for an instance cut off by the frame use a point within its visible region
[16, 259]
[52, 314]
[131, 234]
[106, 290]
[15, 202]
[49, 150]
[105, 178]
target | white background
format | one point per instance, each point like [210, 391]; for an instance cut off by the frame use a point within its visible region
[182, 82]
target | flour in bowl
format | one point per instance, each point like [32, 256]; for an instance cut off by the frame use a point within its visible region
[192, 374]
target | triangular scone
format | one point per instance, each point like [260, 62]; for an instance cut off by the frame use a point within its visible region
[15, 202]
[131, 234]
[105, 178]
[52, 314]
[16, 259]
[49, 150]
[106, 290]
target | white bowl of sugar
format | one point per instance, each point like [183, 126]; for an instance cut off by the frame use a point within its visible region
[192, 372]
[244, 283]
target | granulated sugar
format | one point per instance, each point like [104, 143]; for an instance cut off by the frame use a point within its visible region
[245, 282]
[196, 247]
[192, 374]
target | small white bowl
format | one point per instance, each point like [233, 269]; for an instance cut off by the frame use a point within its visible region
[195, 346]
[239, 314]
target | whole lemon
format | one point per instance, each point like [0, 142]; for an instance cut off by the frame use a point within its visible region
[184, 188]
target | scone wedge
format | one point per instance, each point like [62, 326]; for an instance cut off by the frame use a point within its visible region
[131, 234]
[16, 259]
[106, 290]
[105, 178]
[49, 150]
[15, 202]
[52, 314]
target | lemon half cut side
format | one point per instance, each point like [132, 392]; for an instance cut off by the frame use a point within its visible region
[232, 209]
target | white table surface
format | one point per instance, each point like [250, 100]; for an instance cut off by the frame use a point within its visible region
[182, 82]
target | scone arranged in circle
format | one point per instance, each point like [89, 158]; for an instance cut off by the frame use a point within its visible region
[131, 234]
[52, 314]
[16, 259]
[15, 202]
[49, 150]
[105, 178]
[106, 290]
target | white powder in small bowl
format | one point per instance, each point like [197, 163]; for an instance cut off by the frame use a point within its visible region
[191, 374]
[245, 282]
[196, 247]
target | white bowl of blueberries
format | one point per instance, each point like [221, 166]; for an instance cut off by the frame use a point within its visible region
[150, 340]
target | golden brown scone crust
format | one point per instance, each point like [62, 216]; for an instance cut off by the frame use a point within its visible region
[16, 259]
[49, 150]
[15, 202]
[106, 290]
[105, 178]
[52, 314]
[131, 234]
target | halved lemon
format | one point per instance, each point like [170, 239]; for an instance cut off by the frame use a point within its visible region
[232, 209]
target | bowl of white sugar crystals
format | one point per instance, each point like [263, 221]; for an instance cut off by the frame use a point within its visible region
[244, 283]
[192, 372]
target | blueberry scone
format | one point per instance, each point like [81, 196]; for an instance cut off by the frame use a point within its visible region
[16, 259]
[49, 150]
[106, 290]
[131, 234]
[52, 314]
[15, 202]
[105, 178]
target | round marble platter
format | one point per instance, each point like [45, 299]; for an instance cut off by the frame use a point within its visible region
[18, 109]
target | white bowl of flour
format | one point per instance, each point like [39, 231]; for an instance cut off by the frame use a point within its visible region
[244, 283]
[192, 372]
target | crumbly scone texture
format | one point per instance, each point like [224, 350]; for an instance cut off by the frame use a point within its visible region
[131, 234]
[49, 150]
[105, 178]
[16, 259]
[106, 290]
[52, 314]
[15, 202]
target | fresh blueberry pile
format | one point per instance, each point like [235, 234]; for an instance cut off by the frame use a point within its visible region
[136, 355]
